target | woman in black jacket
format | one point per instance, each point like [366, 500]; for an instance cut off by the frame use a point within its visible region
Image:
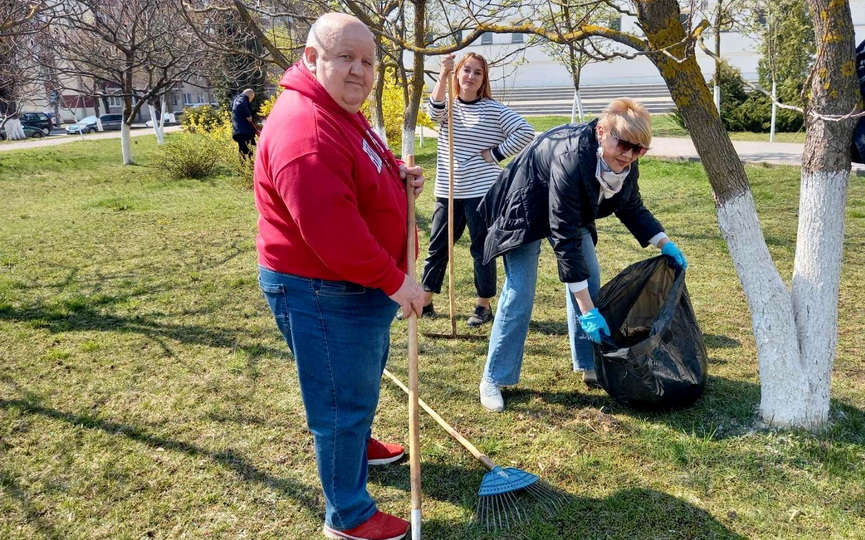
[556, 189]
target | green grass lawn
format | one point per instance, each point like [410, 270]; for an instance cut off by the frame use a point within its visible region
[146, 392]
[663, 125]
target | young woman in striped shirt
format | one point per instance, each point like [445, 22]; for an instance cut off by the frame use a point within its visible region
[485, 132]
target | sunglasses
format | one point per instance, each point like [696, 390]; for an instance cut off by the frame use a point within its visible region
[623, 146]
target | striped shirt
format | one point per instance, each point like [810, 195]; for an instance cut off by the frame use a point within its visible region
[483, 124]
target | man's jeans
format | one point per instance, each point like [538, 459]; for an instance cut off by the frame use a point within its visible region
[465, 213]
[339, 333]
[514, 313]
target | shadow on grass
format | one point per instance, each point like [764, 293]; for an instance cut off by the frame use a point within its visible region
[720, 342]
[305, 495]
[549, 328]
[520, 397]
[84, 315]
[31, 509]
[632, 513]
[423, 224]
[727, 409]
[560, 328]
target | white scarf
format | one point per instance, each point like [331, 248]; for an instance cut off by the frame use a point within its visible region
[611, 182]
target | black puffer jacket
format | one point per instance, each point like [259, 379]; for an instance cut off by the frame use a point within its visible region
[550, 190]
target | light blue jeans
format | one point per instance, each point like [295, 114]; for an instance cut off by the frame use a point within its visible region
[514, 313]
[339, 333]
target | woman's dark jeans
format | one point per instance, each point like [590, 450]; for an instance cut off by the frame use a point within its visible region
[465, 213]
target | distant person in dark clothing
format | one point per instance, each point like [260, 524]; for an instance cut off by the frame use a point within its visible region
[243, 129]
[858, 148]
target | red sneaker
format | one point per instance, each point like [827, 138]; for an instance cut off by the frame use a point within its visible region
[380, 526]
[379, 453]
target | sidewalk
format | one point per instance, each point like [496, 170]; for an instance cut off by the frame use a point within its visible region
[60, 137]
[751, 152]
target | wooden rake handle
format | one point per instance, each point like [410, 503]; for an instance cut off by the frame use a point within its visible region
[413, 415]
[447, 427]
[451, 281]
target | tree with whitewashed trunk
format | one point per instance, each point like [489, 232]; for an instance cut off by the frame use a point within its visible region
[795, 328]
[576, 55]
[725, 16]
[133, 50]
[158, 120]
[21, 23]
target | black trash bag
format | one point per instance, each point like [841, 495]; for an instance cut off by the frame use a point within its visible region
[655, 357]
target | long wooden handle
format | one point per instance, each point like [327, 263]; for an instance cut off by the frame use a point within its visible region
[451, 101]
[413, 415]
[447, 427]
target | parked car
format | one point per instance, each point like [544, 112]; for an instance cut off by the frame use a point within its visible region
[38, 120]
[169, 120]
[88, 124]
[30, 131]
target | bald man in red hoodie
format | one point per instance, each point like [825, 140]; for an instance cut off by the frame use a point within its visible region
[332, 260]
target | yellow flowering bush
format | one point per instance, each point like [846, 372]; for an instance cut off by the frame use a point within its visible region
[267, 104]
[188, 155]
[204, 118]
[212, 129]
[393, 107]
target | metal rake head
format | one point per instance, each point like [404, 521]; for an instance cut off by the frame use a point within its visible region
[510, 496]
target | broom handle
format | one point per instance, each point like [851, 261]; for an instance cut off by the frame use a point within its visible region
[413, 415]
[451, 101]
[447, 427]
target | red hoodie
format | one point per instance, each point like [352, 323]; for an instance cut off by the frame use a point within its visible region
[330, 200]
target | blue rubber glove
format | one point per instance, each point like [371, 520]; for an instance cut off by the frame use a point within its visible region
[671, 250]
[594, 325]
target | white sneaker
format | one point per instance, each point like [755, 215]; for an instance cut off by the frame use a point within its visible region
[491, 396]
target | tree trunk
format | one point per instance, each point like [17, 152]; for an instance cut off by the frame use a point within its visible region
[162, 116]
[716, 90]
[97, 114]
[412, 105]
[576, 75]
[14, 131]
[768, 298]
[795, 332]
[376, 104]
[126, 143]
[820, 237]
[157, 124]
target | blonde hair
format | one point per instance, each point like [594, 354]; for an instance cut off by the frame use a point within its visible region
[628, 119]
[484, 90]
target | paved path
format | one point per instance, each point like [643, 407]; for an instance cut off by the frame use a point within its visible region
[682, 149]
[63, 138]
[774, 153]
[672, 148]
